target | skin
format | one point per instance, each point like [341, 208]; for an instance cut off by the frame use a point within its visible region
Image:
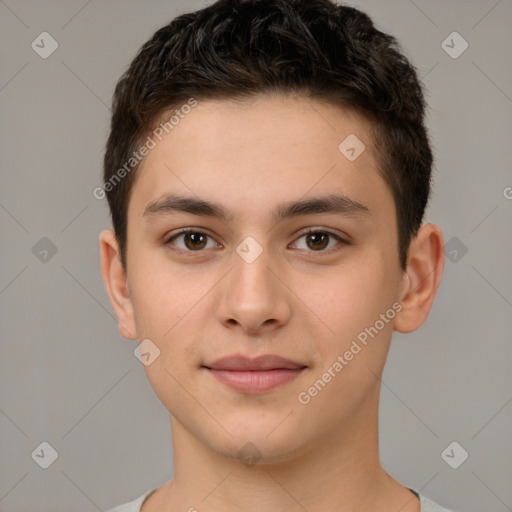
[295, 300]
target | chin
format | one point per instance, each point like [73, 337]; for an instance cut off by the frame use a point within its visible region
[266, 445]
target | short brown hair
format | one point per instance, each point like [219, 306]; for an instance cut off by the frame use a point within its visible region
[241, 48]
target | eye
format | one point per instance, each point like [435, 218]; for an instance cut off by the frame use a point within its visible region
[194, 240]
[318, 239]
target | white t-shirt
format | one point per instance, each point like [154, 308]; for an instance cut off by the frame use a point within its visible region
[427, 505]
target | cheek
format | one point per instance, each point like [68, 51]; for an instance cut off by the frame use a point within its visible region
[344, 297]
[162, 295]
[343, 304]
[169, 309]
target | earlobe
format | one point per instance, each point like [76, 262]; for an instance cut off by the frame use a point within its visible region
[115, 279]
[425, 264]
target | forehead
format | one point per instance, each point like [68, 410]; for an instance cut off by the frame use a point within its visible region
[248, 154]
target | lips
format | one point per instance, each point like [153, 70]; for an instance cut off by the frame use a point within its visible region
[265, 362]
[254, 375]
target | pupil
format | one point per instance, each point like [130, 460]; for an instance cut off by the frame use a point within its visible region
[320, 237]
[195, 241]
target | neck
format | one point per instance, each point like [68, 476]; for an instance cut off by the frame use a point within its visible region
[341, 472]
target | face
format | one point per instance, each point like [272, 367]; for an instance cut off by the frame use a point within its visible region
[313, 286]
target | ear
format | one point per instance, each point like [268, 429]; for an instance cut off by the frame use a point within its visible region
[425, 264]
[116, 283]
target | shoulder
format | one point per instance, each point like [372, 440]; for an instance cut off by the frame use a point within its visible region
[132, 506]
[427, 505]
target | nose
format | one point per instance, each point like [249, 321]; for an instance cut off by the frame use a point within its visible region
[253, 297]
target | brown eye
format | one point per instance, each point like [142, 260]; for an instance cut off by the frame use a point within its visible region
[317, 240]
[193, 241]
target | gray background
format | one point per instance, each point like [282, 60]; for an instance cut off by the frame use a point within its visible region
[68, 378]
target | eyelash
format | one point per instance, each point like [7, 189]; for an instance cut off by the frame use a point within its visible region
[309, 231]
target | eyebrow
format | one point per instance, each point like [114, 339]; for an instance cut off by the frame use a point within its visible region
[175, 203]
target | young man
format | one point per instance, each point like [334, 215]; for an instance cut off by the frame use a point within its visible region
[267, 172]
